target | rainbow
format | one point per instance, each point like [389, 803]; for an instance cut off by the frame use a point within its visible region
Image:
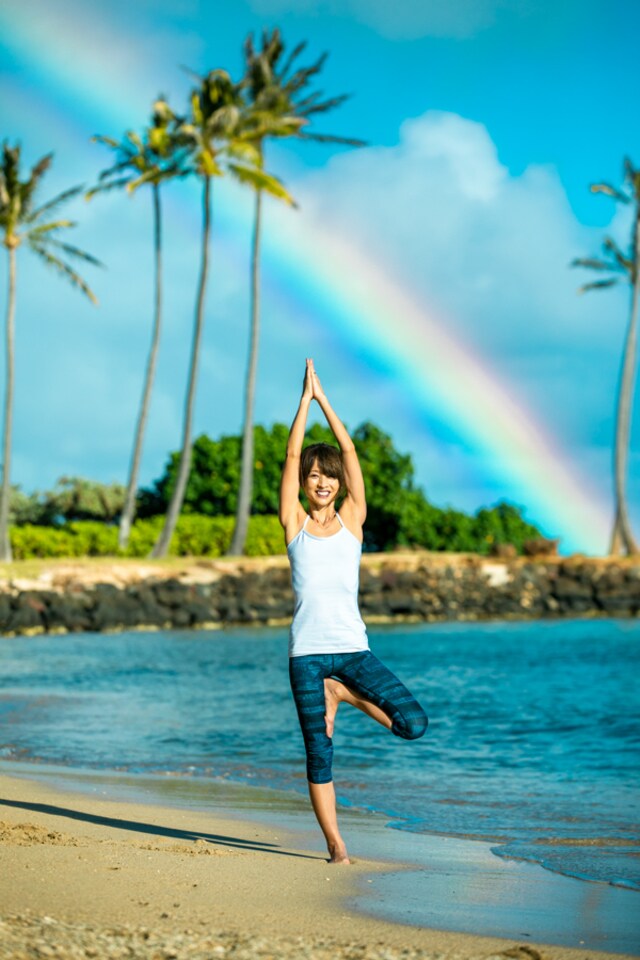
[376, 313]
[340, 286]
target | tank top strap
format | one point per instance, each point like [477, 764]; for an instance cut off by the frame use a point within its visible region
[340, 519]
[306, 519]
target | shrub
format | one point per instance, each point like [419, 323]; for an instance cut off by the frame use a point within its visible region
[195, 536]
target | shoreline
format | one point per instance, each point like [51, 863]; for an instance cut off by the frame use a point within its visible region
[274, 858]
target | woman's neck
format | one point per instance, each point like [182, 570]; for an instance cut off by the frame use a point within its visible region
[324, 516]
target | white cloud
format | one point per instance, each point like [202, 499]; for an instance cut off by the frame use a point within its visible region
[490, 252]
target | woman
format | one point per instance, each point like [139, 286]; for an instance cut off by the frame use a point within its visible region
[329, 657]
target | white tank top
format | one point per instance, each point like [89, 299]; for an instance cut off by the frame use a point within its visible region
[325, 573]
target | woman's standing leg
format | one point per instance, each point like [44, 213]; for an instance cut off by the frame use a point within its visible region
[307, 675]
[323, 801]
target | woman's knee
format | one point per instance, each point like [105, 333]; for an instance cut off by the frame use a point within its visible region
[411, 726]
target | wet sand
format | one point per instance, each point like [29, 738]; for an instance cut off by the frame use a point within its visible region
[83, 876]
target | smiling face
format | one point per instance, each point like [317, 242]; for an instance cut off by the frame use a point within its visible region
[320, 489]
[321, 474]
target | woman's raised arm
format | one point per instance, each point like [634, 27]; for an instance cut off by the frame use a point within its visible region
[290, 509]
[355, 503]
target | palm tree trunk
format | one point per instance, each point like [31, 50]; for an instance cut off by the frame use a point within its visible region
[162, 545]
[130, 501]
[616, 542]
[5, 493]
[622, 526]
[246, 470]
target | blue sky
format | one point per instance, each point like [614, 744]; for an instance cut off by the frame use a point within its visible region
[486, 122]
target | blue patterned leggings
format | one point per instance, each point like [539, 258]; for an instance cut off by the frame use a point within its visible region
[363, 673]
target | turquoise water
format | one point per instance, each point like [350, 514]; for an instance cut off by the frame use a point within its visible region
[533, 741]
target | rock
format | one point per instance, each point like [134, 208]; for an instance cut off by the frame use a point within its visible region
[567, 588]
[68, 612]
[5, 612]
[506, 551]
[114, 608]
[540, 547]
[26, 614]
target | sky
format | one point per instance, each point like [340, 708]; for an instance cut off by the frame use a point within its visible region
[427, 273]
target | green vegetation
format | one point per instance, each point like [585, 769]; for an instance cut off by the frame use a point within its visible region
[79, 518]
[194, 536]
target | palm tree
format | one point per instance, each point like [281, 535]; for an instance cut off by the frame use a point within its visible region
[621, 266]
[22, 222]
[218, 142]
[279, 105]
[151, 158]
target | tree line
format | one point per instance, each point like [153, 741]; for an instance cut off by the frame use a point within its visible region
[399, 514]
[223, 132]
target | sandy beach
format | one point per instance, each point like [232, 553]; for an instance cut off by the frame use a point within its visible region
[82, 876]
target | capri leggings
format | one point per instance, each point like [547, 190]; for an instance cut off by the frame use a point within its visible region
[363, 673]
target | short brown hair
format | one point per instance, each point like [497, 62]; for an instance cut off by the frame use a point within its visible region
[329, 462]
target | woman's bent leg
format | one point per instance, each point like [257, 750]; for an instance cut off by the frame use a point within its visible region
[370, 682]
[335, 693]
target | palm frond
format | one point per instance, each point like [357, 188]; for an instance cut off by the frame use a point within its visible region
[301, 78]
[248, 48]
[621, 262]
[609, 191]
[28, 187]
[592, 263]
[69, 249]
[135, 139]
[260, 180]
[107, 141]
[40, 168]
[598, 285]
[305, 109]
[284, 126]
[124, 164]
[51, 205]
[153, 175]
[106, 187]
[245, 150]
[74, 278]
[329, 138]
[293, 56]
[45, 228]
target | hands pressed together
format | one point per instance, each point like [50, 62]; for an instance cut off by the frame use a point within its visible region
[312, 388]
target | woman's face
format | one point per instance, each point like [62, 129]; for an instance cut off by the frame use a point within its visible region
[320, 489]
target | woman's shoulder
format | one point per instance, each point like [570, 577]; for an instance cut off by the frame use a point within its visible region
[350, 520]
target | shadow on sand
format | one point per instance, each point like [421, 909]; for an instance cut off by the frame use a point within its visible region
[153, 829]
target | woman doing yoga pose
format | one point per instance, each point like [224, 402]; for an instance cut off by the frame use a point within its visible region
[329, 657]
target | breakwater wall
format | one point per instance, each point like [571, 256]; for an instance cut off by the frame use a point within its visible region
[415, 586]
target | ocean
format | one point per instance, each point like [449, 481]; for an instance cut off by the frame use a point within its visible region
[532, 743]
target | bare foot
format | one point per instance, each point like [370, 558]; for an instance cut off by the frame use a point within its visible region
[338, 853]
[332, 698]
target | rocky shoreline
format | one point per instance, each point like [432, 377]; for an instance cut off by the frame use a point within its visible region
[414, 586]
